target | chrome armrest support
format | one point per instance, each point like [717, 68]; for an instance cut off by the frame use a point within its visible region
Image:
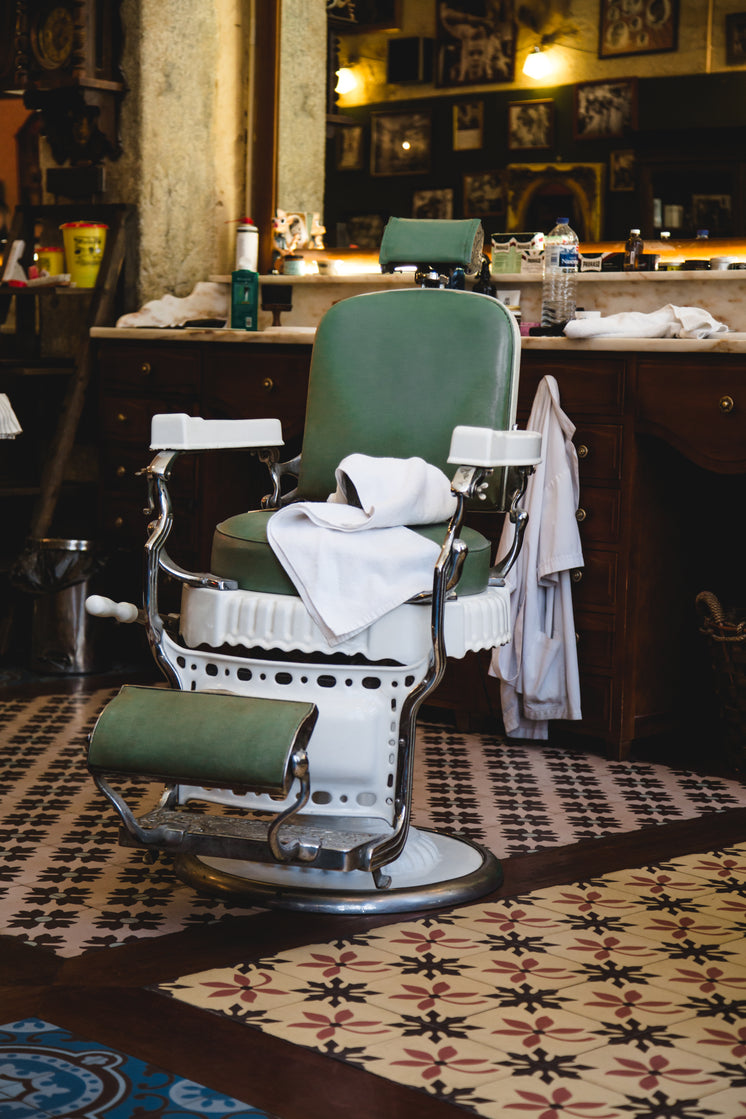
[519, 518]
[278, 470]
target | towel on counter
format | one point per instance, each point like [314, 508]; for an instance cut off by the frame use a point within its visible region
[351, 558]
[668, 322]
[205, 301]
[9, 425]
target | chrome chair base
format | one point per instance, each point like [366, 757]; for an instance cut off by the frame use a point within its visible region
[458, 871]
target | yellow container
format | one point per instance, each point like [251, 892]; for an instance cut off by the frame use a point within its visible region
[51, 260]
[84, 250]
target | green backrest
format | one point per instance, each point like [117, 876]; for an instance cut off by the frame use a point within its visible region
[393, 373]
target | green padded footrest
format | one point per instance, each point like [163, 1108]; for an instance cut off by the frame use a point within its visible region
[201, 738]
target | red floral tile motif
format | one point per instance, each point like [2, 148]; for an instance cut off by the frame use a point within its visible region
[244, 988]
[730, 1040]
[332, 964]
[531, 1032]
[631, 1002]
[524, 969]
[682, 927]
[516, 918]
[429, 940]
[560, 1102]
[657, 1071]
[591, 900]
[659, 883]
[439, 991]
[727, 866]
[600, 947]
[433, 1063]
[707, 979]
[326, 1026]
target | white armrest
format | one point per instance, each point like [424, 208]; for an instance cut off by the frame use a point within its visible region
[178, 432]
[482, 446]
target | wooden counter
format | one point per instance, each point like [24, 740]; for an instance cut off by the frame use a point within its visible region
[661, 438]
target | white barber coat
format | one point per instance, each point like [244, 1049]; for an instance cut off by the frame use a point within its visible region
[538, 670]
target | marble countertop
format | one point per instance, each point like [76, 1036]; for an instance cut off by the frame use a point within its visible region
[734, 342]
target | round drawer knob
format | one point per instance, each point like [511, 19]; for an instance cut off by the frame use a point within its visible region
[576, 574]
[268, 384]
[146, 369]
[583, 451]
[580, 515]
[121, 471]
[118, 522]
[122, 417]
[726, 404]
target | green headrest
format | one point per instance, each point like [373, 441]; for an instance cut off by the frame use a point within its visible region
[457, 244]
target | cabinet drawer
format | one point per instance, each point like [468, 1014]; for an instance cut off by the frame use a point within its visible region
[122, 462]
[599, 515]
[595, 584]
[127, 418]
[697, 407]
[151, 368]
[248, 385]
[599, 448]
[595, 633]
[594, 386]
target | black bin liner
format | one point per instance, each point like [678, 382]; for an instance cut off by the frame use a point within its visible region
[58, 572]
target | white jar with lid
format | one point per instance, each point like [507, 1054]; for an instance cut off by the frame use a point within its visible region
[247, 246]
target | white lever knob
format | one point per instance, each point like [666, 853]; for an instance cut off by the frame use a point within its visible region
[101, 607]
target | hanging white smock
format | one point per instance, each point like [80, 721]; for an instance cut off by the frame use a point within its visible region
[538, 670]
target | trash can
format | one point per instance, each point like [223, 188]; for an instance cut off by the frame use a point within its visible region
[64, 639]
[725, 634]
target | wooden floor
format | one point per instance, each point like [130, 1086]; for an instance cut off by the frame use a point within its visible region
[106, 995]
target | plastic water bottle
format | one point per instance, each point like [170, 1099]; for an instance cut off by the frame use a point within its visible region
[559, 289]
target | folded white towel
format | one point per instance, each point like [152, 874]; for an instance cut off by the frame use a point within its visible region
[668, 322]
[205, 301]
[348, 578]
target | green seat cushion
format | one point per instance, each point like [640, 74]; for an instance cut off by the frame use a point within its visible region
[210, 739]
[240, 551]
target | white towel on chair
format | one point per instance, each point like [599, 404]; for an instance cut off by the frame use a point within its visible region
[668, 322]
[351, 558]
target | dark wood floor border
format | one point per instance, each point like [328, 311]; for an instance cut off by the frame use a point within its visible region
[152, 960]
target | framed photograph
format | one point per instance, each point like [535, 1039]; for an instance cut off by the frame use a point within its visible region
[400, 143]
[485, 194]
[468, 126]
[433, 204]
[530, 125]
[364, 231]
[735, 39]
[368, 15]
[622, 170]
[474, 42]
[605, 110]
[349, 147]
[637, 28]
[714, 213]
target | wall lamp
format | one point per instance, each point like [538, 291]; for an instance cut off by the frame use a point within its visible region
[537, 64]
[346, 80]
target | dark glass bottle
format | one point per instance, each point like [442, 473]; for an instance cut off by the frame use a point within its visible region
[632, 250]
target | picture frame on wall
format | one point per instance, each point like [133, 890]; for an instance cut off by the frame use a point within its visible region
[530, 125]
[349, 147]
[433, 204]
[735, 39]
[474, 42]
[468, 126]
[622, 170]
[368, 15]
[400, 143]
[605, 110]
[626, 29]
[485, 194]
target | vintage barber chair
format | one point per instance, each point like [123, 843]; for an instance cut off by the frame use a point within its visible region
[287, 762]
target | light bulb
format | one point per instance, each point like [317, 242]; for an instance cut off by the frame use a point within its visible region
[537, 64]
[346, 80]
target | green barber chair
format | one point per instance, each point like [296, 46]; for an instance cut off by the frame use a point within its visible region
[284, 760]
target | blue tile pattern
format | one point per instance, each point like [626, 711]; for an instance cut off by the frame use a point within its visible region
[49, 1073]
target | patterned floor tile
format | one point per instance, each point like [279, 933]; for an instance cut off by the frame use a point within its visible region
[507, 922]
[49, 1073]
[699, 980]
[456, 1071]
[556, 1100]
[558, 1032]
[685, 927]
[727, 1105]
[333, 1029]
[245, 991]
[523, 971]
[431, 939]
[712, 1038]
[625, 1069]
[584, 900]
[614, 1002]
